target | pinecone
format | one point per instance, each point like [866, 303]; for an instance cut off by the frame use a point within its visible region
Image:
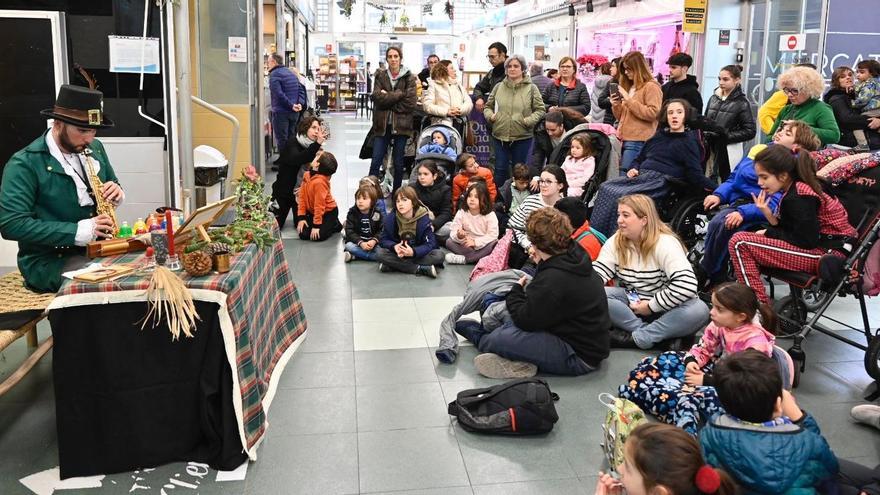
[197, 263]
[218, 247]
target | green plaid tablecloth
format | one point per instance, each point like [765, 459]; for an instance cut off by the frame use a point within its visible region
[261, 318]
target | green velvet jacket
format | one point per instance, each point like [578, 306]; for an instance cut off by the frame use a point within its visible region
[39, 209]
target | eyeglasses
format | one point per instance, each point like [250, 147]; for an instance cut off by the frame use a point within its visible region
[545, 182]
[791, 91]
[566, 67]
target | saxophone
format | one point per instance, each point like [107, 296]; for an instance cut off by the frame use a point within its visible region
[103, 206]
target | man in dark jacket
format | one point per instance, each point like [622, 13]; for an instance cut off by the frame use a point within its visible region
[536, 72]
[680, 84]
[425, 74]
[560, 321]
[497, 55]
[287, 100]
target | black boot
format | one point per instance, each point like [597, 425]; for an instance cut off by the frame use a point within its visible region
[427, 271]
[621, 339]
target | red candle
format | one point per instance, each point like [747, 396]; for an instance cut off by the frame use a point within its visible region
[169, 230]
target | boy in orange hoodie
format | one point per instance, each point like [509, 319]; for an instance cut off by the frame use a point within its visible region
[317, 213]
[468, 167]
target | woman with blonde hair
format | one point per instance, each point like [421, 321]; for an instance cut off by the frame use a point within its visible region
[655, 299]
[635, 105]
[567, 91]
[445, 98]
[804, 87]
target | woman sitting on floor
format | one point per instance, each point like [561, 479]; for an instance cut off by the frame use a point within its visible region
[553, 186]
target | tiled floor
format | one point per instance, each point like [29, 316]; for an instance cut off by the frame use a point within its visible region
[362, 407]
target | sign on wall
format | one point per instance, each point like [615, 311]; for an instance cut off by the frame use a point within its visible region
[792, 42]
[133, 54]
[694, 18]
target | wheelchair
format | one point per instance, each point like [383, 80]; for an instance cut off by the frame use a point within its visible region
[682, 210]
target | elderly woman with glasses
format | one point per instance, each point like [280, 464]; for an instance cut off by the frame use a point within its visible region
[567, 91]
[514, 108]
[804, 87]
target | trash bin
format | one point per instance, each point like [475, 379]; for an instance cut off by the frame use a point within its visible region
[211, 169]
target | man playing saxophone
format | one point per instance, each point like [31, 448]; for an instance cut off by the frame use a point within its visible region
[48, 199]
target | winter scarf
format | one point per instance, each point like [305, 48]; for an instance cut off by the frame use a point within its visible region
[406, 227]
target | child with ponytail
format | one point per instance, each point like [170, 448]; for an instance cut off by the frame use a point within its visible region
[664, 460]
[677, 387]
[806, 225]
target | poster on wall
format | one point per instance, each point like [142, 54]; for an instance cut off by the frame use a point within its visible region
[695, 16]
[134, 54]
[539, 52]
[238, 49]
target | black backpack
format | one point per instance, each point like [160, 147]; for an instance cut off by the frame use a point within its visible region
[518, 407]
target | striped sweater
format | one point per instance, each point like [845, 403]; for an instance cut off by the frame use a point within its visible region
[666, 278]
[520, 216]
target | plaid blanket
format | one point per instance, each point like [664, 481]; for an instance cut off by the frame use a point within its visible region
[261, 318]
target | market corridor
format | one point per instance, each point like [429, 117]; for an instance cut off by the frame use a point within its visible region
[361, 407]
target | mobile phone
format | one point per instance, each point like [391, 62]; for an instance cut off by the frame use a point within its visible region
[613, 88]
[633, 296]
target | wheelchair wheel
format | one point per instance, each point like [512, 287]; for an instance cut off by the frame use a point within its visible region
[688, 222]
[814, 297]
[872, 358]
[792, 315]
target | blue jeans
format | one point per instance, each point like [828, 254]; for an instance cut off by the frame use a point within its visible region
[550, 353]
[681, 321]
[380, 147]
[715, 253]
[629, 151]
[359, 253]
[508, 154]
[284, 125]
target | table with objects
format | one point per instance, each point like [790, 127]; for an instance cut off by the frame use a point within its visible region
[129, 397]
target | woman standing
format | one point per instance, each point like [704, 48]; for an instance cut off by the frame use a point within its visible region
[600, 86]
[567, 91]
[445, 97]
[514, 109]
[295, 159]
[656, 294]
[804, 87]
[394, 101]
[604, 98]
[635, 106]
[840, 97]
[730, 110]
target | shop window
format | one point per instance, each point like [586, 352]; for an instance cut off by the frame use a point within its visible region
[221, 81]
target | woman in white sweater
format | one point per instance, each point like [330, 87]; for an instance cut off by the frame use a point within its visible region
[445, 97]
[553, 186]
[656, 294]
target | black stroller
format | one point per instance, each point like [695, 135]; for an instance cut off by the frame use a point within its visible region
[603, 149]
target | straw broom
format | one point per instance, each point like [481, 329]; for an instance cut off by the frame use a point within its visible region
[167, 295]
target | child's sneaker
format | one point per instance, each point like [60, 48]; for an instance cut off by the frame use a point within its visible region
[347, 257]
[861, 148]
[455, 259]
[494, 366]
[427, 271]
[384, 268]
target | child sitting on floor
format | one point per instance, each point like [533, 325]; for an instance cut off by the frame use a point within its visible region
[765, 441]
[662, 459]
[474, 230]
[580, 165]
[407, 243]
[373, 181]
[468, 167]
[589, 239]
[439, 144]
[676, 387]
[317, 211]
[363, 226]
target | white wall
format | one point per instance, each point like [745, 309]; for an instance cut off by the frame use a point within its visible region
[723, 14]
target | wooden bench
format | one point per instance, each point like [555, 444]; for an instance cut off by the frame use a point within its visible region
[20, 311]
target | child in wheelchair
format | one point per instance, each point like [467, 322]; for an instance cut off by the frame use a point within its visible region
[806, 225]
[738, 211]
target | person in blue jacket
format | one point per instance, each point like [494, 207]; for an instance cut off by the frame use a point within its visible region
[439, 144]
[765, 441]
[740, 212]
[288, 99]
[407, 243]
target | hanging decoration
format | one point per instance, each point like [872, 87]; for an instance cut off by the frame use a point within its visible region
[346, 6]
[449, 9]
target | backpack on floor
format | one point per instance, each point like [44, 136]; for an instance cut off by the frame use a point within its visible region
[518, 407]
[622, 418]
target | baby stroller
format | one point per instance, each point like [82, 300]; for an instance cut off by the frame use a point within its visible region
[860, 196]
[444, 161]
[605, 152]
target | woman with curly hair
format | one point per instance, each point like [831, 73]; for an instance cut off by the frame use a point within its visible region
[804, 87]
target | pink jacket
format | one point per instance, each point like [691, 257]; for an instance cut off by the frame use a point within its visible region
[577, 172]
[482, 228]
[748, 336]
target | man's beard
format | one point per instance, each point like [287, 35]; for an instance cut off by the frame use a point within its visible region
[66, 145]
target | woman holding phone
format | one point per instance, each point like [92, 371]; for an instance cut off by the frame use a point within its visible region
[635, 105]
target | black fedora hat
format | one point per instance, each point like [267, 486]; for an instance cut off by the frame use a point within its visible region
[82, 107]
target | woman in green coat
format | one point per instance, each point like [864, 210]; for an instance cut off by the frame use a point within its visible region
[804, 87]
[513, 109]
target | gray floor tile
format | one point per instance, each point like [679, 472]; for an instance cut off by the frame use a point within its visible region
[492, 460]
[398, 406]
[570, 486]
[328, 337]
[410, 459]
[394, 366]
[313, 410]
[327, 311]
[368, 283]
[28, 434]
[463, 368]
[458, 490]
[330, 289]
[819, 383]
[847, 438]
[319, 369]
[826, 349]
[306, 464]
